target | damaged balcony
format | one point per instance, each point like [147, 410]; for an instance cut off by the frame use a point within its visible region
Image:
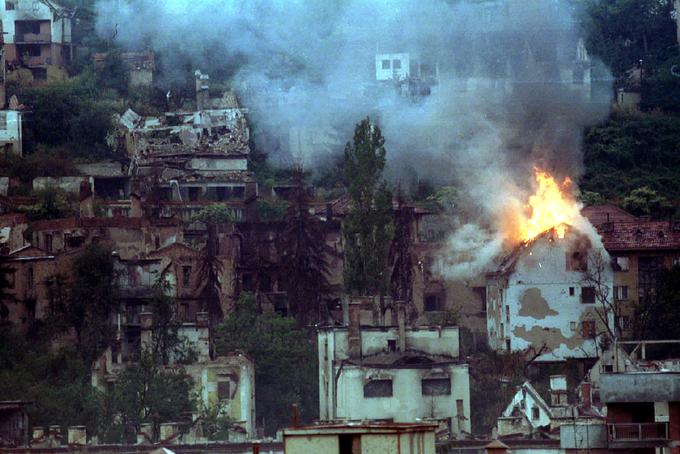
[637, 435]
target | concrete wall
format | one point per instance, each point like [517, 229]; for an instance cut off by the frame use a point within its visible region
[533, 306]
[68, 184]
[11, 133]
[391, 73]
[640, 387]
[328, 444]
[219, 164]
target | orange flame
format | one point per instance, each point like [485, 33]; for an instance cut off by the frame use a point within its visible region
[551, 207]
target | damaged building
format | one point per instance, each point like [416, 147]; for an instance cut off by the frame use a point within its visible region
[544, 299]
[392, 372]
[37, 37]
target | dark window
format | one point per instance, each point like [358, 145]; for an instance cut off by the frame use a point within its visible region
[507, 344]
[9, 5]
[588, 295]
[265, 283]
[620, 292]
[534, 413]
[392, 345]
[385, 64]
[436, 386]
[620, 263]
[433, 302]
[577, 261]
[39, 73]
[3, 120]
[29, 278]
[588, 329]
[48, 242]
[186, 276]
[349, 444]
[74, 241]
[248, 283]
[481, 293]
[571, 291]
[378, 388]
[11, 278]
[238, 192]
[396, 64]
[223, 390]
[194, 193]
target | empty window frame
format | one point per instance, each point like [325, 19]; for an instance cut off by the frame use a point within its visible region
[620, 292]
[385, 64]
[576, 261]
[620, 263]
[396, 64]
[588, 295]
[433, 302]
[436, 386]
[378, 388]
[481, 293]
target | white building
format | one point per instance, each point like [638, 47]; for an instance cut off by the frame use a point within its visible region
[540, 300]
[392, 66]
[393, 373]
[10, 132]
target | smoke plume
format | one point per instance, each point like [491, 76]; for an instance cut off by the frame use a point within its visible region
[509, 88]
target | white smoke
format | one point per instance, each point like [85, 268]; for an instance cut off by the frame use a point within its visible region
[504, 101]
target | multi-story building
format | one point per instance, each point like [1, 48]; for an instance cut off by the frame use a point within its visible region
[37, 35]
[643, 404]
[392, 372]
[639, 249]
[546, 299]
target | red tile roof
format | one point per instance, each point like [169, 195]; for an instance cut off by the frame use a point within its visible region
[600, 214]
[640, 235]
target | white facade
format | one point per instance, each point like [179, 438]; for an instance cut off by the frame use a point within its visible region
[219, 164]
[32, 10]
[425, 381]
[541, 302]
[392, 66]
[10, 131]
[526, 413]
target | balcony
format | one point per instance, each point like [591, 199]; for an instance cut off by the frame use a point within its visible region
[32, 38]
[36, 62]
[637, 435]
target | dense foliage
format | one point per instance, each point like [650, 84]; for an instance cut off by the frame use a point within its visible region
[368, 228]
[285, 361]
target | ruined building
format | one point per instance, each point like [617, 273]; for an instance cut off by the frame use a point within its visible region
[548, 299]
[37, 36]
[392, 372]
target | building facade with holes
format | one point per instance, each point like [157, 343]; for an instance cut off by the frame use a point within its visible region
[547, 299]
[393, 373]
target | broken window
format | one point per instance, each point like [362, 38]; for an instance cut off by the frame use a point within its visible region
[481, 293]
[433, 302]
[396, 64]
[349, 444]
[392, 345]
[577, 261]
[223, 390]
[620, 263]
[588, 329]
[571, 291]
[385, 64]
[186, 276]
[48, 242]
[535, 413]
[74, 241]
[436, 386]
[9, 5]
[620, 292]
[588, 295]
[378, 388]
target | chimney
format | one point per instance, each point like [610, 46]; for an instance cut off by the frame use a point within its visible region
[354, 328]
[296, 416]
[202, 90]
[77, 435]
[586, 395]
[558, 391]
[496, 447]
[401, 325]
[135, 205]
[86, 200]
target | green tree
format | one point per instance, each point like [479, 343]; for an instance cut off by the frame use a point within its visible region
[145, 392]
[53, 203]
[368, 228]
[658, 317]
[625, 33]
[303, 257]
[285, 358]
[645, 201]
[91, 298]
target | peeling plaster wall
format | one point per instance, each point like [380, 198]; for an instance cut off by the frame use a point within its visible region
[534, 307]
[407, 402]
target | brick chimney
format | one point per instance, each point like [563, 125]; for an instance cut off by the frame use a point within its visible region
[354, 328]
[586, 395]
